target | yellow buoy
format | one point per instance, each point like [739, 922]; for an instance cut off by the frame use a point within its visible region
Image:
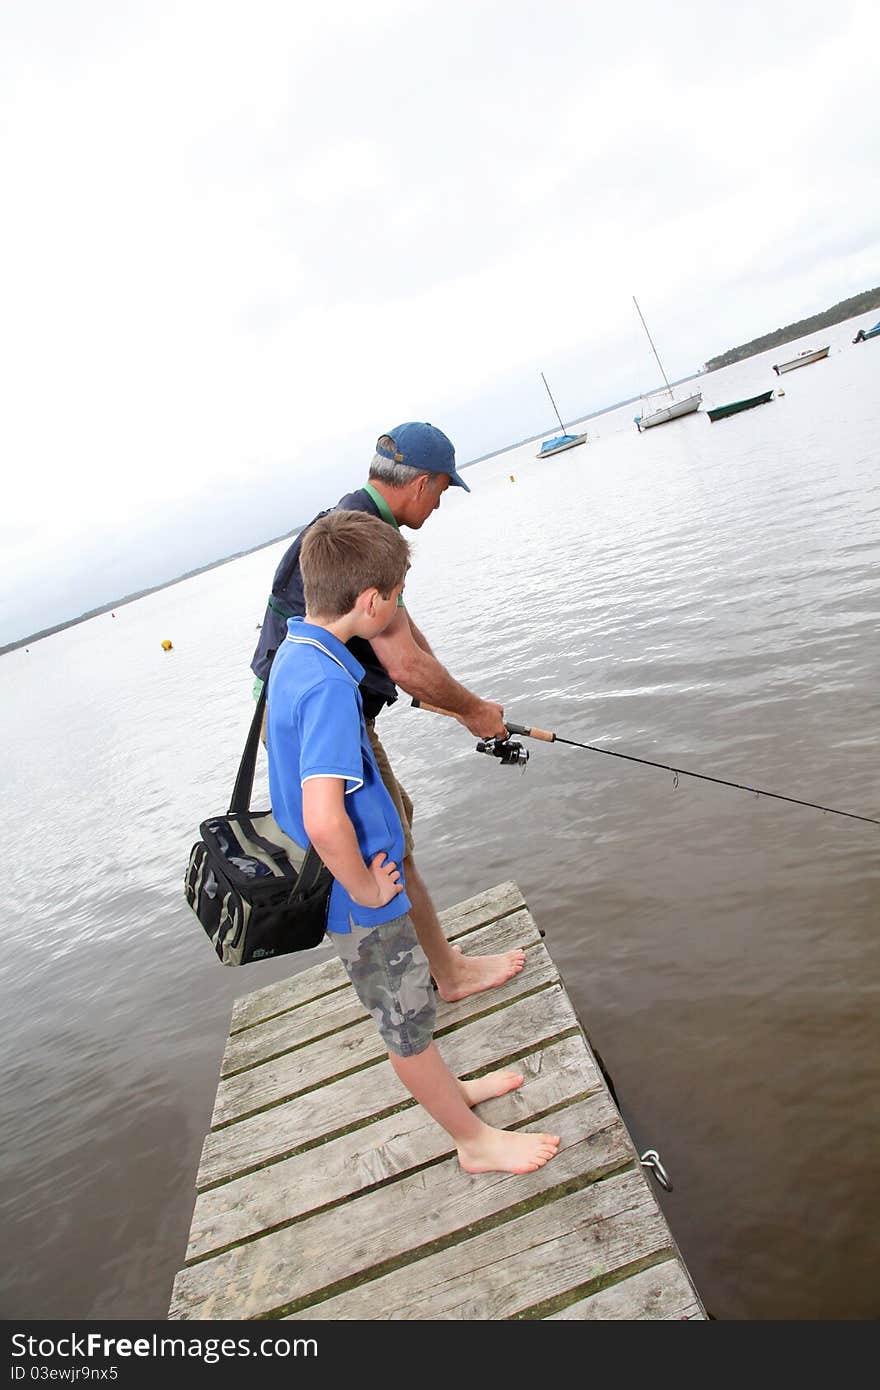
[166, 645]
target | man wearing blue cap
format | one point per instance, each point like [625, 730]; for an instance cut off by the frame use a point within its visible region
[412, 467]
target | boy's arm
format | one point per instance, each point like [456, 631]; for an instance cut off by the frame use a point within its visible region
[330, 830]
[412, 666]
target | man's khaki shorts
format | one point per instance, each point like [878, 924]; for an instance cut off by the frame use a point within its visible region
[398, 794]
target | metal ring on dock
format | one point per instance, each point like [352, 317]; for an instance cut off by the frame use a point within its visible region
[651, 1159]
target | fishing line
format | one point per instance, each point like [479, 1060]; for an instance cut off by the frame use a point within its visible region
[720, 781]
[506, 752]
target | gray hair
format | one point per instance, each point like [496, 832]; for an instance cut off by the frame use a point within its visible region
[394, 474]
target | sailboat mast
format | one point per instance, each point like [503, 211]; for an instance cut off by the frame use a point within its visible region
[553, 403]
[651, 341]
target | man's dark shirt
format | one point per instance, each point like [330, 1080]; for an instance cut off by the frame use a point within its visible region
[287, 601]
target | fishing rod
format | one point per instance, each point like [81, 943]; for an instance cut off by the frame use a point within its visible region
[513, 754]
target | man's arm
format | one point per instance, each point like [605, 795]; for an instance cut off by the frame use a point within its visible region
[330, 830]
[416, 670]
[419, 637]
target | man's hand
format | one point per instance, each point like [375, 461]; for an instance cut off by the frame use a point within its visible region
[411, 665]
[486, 720]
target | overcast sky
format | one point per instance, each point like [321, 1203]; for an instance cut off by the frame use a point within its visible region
[240, 240]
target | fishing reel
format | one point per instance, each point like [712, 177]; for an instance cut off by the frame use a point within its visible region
[510, 754]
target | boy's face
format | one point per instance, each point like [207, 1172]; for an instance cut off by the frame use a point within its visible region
[383, 610]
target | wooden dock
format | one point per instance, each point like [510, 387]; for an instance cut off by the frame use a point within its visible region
[325, 1192]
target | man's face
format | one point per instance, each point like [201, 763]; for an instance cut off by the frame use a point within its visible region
[424, 498]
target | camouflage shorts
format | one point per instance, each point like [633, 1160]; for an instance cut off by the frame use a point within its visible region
[389, 971]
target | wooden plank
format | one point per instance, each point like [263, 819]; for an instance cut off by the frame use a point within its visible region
[329, 974]
[662, 1292]
[284, 1076]
[481, 909]
[319, 1017]
[387, 1148]
[521, 1027]
[517, 1267]
[325, 1192]
[265, 1276]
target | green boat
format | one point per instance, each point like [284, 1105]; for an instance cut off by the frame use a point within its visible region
[722, 411]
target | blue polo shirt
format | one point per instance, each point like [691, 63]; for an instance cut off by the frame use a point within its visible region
[315, 728]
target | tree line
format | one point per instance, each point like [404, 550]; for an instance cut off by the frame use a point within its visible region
[846, 309]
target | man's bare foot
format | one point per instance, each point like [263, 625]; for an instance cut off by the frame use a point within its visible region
[507, 1151]
[494, 1083]
[471, 974]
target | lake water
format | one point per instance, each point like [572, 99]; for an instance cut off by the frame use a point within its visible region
[702, 595]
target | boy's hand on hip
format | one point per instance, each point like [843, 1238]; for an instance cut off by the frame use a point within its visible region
[386, 876]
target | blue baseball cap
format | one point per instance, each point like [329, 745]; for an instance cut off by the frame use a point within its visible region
[424, 447]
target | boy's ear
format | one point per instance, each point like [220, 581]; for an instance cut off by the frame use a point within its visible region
[366, 601]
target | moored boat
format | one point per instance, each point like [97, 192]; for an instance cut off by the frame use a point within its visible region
[559, 441]
[672, 411]
[863, 335]
[721, 412]
[674, 408]
[803, 359]
[556, 446]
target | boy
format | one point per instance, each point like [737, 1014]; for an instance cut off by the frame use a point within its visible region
[325, 787]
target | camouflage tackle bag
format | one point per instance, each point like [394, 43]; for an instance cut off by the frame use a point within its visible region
[255, 892]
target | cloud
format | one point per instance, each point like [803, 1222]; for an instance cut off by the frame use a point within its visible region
[240, 239]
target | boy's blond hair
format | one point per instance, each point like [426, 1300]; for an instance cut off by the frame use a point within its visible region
[344, 553]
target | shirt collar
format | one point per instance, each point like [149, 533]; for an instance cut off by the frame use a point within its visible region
[299, 628]
[384, 510]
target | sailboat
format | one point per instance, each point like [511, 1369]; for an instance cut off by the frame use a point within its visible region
[672, 409]
[561, 441]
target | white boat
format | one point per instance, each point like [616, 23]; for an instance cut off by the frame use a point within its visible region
[669, 412]
[560, 441]
[671, 409]
[556, 446]
[803, 359]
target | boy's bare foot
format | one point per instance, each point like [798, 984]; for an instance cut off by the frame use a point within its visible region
[471, 974]
[494, 1083]
[507, 1151]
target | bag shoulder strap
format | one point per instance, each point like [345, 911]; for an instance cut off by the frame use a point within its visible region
[313, 872]
[244, 782]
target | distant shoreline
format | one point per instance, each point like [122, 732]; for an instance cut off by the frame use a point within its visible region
[142, 593]
[286, 535]
[838, 313]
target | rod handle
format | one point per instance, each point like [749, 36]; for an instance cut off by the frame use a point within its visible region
[433, 709]
[544, 734]
[511, 728]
